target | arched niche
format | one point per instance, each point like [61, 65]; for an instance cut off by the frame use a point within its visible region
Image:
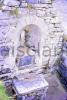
[39, 29]
[30, 42]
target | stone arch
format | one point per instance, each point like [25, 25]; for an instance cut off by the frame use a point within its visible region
[29, 20]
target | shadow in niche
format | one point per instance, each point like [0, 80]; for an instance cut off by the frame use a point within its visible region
[32, 36]
[28, 46]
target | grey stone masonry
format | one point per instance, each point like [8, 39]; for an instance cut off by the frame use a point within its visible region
[11, 13]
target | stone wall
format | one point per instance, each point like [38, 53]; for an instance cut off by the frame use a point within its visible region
[14, 18]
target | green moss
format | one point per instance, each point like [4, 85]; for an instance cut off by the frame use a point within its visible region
[3, 94]
[1, 6]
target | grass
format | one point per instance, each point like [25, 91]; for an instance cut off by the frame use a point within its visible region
[3, 94]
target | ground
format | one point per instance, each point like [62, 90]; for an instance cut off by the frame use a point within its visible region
[55, 90]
